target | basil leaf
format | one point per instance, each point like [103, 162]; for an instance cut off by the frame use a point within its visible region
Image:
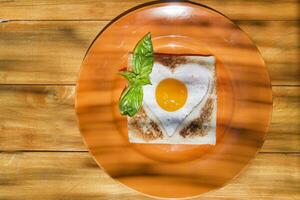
[142, 63]
[143, 60]
[130, 76]
[131, 100]
[143, 80]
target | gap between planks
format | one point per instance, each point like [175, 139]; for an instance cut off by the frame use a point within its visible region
[74, 84]
[86, 151]
[108, 20]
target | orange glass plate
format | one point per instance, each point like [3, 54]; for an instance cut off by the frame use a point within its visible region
[244, 100]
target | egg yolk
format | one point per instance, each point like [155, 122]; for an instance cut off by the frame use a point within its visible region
[171, 94]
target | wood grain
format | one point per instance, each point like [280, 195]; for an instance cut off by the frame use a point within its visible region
[283, 134]
[51, 52]
[43, 118]
[76, 176]
[38, 118]
[44, 52]
[107, 10]
[279, 44]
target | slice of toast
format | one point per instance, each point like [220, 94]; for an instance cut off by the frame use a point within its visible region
[198, 126]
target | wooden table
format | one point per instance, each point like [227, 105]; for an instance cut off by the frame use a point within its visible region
[42, 44]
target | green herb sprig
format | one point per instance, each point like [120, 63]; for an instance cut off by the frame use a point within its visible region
[142, 63]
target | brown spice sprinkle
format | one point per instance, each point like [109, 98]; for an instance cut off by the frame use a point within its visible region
[144, 127]
[196, 127]
[173, 61]
[170, 60]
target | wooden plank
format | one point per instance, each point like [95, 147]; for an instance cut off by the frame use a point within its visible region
[76, 176]
[284, 131]
[43, 118]
[107, 10]
[38, 118]
[44, 52]
[283, 134]
[279, 44]
[52, 52]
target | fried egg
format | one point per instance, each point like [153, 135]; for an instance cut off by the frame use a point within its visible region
[178, 87]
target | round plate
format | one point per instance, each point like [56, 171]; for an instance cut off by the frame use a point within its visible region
[244, 100]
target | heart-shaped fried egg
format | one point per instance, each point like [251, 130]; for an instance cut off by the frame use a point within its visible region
[177, 88]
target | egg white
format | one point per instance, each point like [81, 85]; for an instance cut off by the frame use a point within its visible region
[196, 77]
